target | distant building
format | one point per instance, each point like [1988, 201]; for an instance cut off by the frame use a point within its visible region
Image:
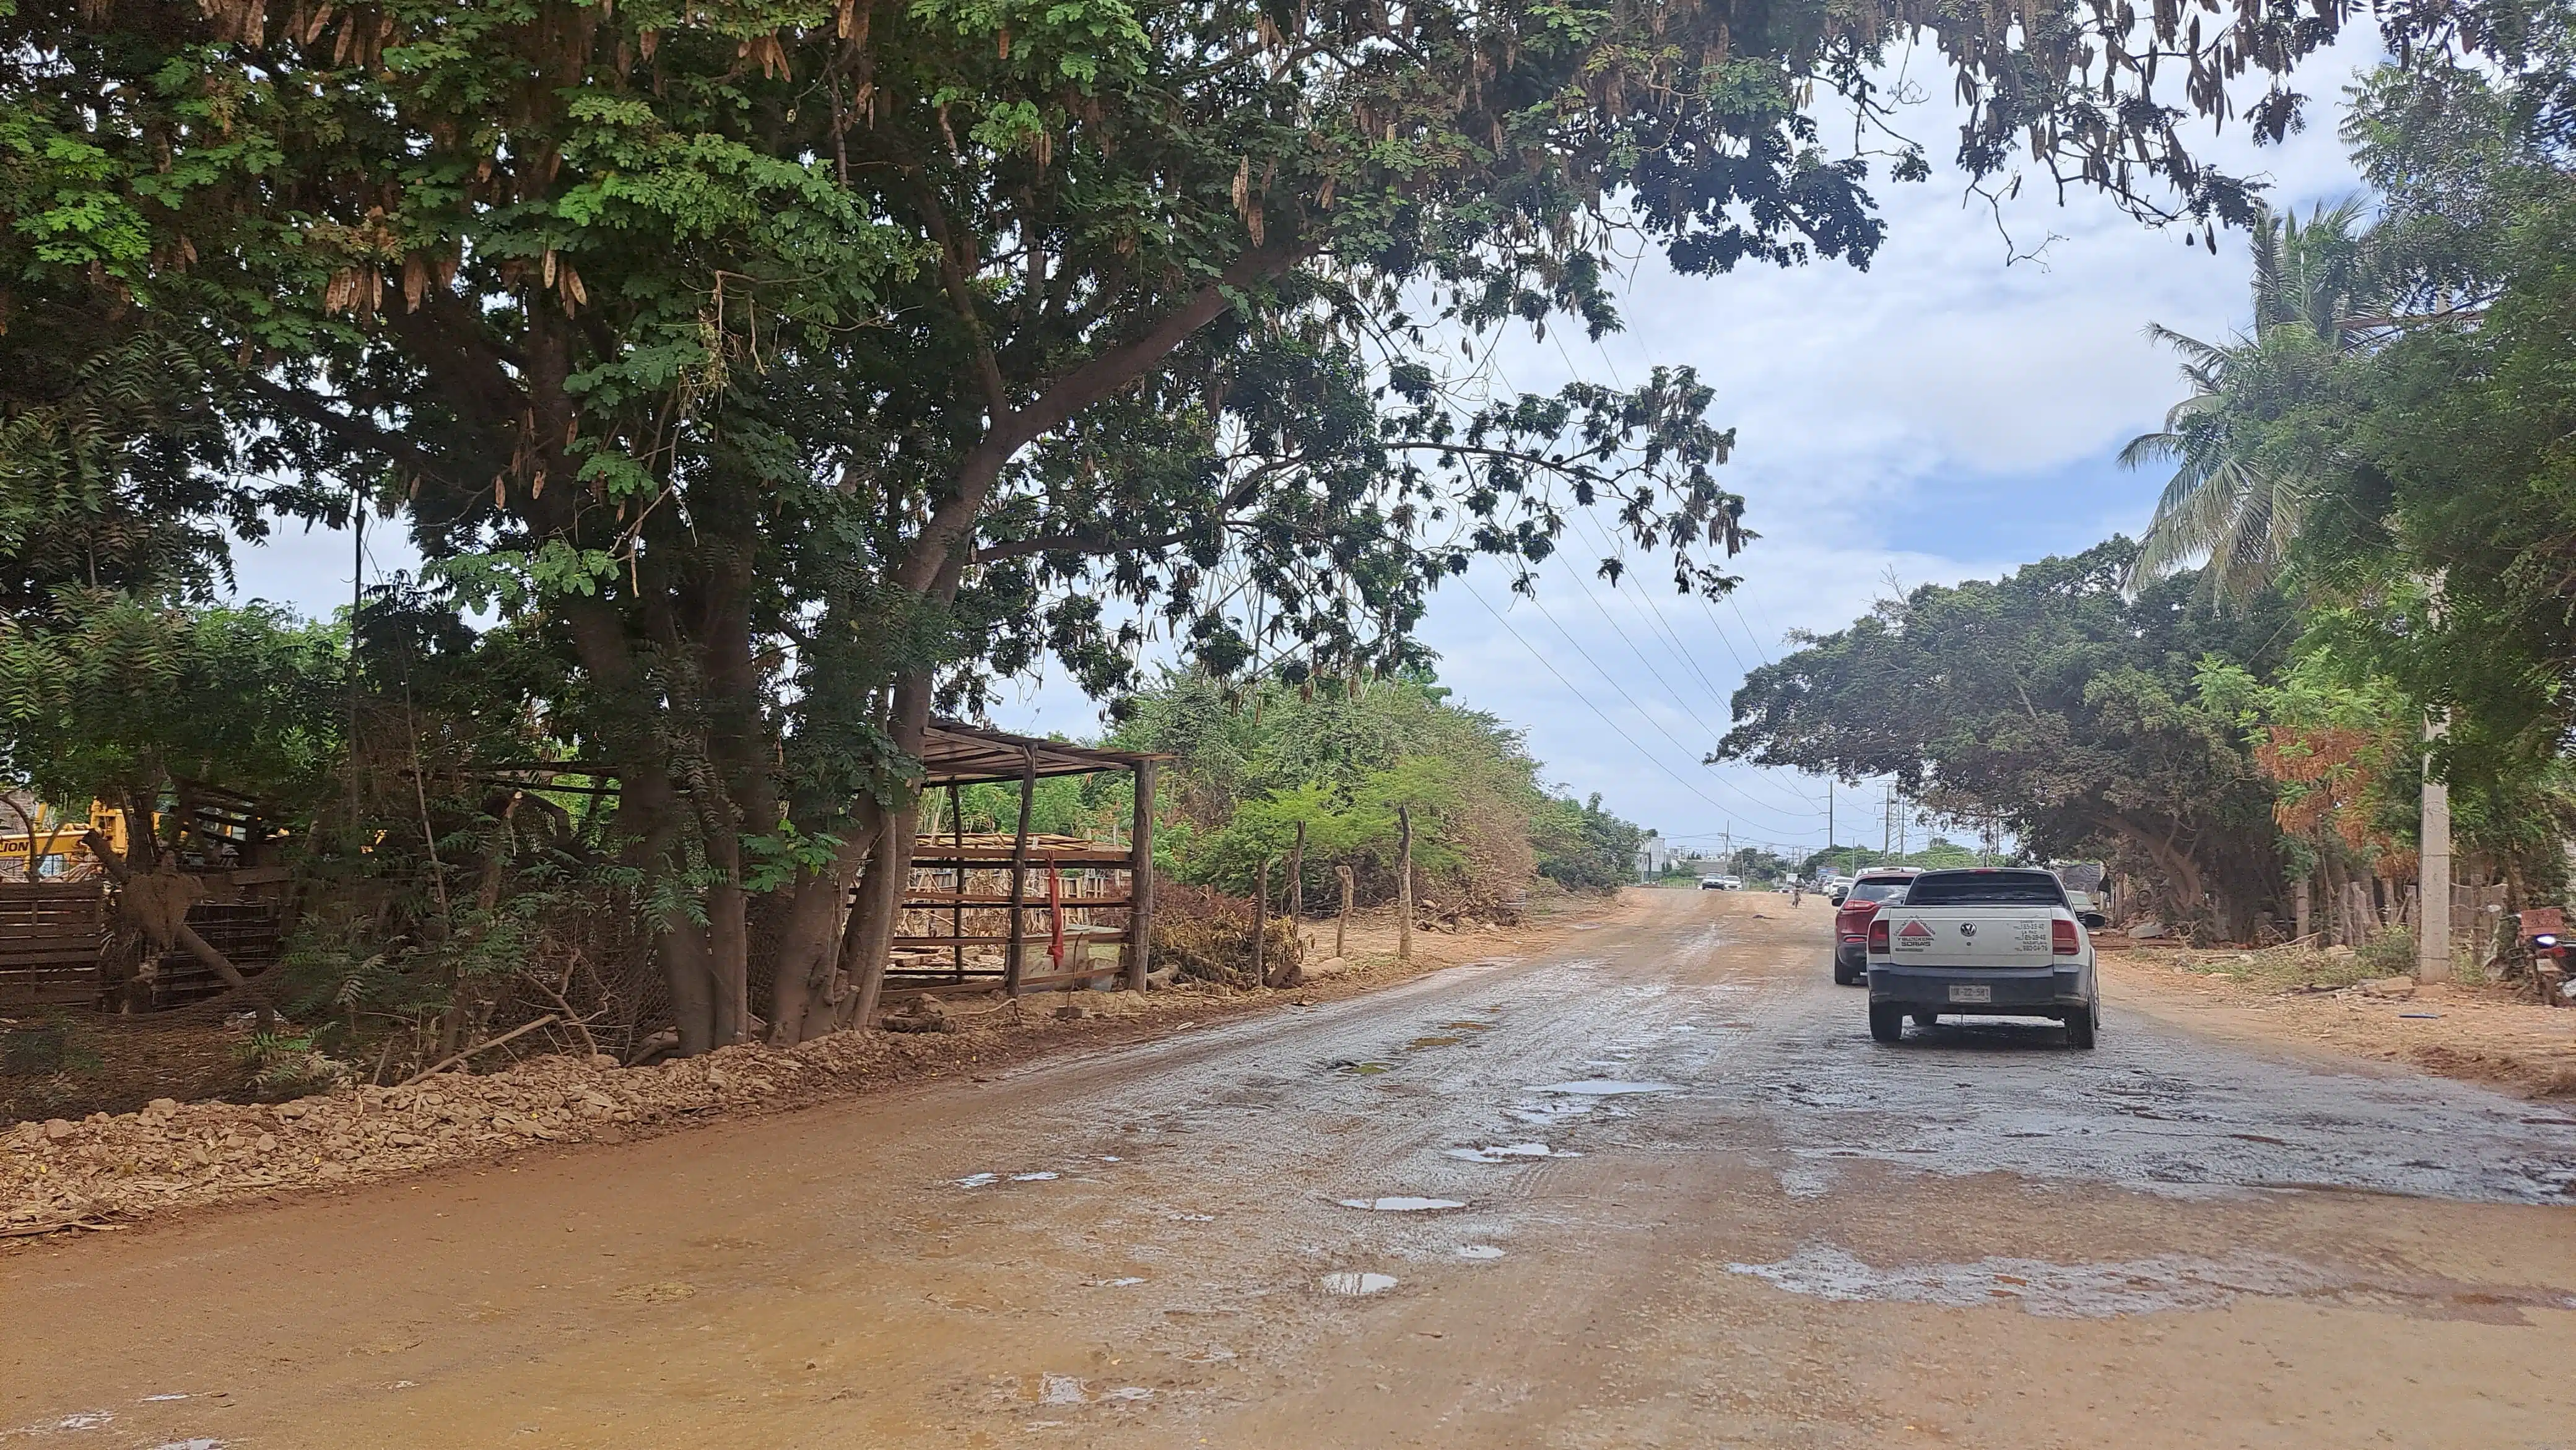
[1654, 854]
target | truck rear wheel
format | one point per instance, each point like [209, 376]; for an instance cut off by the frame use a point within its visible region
[2080, 1024]
[1886, 1023]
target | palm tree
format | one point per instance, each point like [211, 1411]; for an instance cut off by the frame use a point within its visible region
[2237, 496]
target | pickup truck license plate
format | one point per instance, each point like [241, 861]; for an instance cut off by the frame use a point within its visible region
[1972, 994]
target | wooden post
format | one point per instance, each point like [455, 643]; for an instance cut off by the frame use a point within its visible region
[1140, 881]
[1011, 968]
[1403, 884]
[2299, 906]
[1342, 924]
[957, 908]
[1260, 923]
[1297, 882]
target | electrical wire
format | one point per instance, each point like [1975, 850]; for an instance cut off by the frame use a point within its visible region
[1541, 606]
[1714, 738]
[1544, 663]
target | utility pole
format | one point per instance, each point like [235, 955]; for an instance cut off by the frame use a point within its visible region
[1829, 822]
[1886, 820]
[2433, 854]
[2433, 884]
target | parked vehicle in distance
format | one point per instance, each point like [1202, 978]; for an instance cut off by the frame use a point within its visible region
[1869, 891]
[1837, 887]
[1986, 942]
[1712, 883]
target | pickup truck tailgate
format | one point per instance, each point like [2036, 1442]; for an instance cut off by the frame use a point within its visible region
[1970, 936]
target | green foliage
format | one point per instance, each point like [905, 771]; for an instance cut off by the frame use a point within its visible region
[2053, 703]
[1252, 767]
[2245, 455]
[2411, 422]
[2389, 952]
[1582, 847]
[105, 696]
[777, 368]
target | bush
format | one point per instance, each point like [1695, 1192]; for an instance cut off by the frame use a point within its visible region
[2390, 953]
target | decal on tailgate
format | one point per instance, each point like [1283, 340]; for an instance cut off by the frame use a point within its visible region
[1914, 936]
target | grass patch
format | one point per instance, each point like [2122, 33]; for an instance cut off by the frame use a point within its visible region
[2293, 968]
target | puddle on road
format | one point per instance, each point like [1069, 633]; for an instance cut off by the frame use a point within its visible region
[1061, 1389]
[1356, 1285]
[1479, 1251]
[1511, 1153]
[2145, 1286]
[1603, 1087]
[1032, 1178]
[1360, 1069]
[978, 1180]
[1471, 1026]
[1422, 1042]
[1400, 1204]
[2051, 1291]
[1065, 1389]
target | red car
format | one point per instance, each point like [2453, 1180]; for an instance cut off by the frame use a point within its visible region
[1872, 889]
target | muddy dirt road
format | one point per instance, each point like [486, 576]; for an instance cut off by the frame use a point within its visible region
[1656, 1188]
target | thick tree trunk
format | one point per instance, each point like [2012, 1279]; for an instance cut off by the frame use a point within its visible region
[809, 949]
[869, 941]
[729, 960]
[684, 967]
[870, 938]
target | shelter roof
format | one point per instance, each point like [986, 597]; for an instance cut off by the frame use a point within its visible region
[954, 753]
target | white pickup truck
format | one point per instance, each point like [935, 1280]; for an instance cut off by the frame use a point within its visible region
[1989, 942]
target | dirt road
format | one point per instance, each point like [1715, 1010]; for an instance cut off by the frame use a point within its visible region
[1656, 1188]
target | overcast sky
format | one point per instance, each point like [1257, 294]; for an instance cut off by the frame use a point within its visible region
[1943, 416]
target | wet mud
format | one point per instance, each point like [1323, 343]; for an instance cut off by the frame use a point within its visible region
[1663, 1191]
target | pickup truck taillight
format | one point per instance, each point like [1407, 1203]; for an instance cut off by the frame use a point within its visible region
[2062, 940]
[1878, 935]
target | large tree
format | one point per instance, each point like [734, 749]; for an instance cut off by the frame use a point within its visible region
[784, 364]
[2057, 705]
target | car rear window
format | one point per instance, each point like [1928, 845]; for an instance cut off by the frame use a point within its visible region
[1987, 888]
[1877, 891]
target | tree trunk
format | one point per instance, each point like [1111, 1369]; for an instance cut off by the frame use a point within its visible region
[183, 935]
[869, 943]
[683, 950]
[870, 938]
[729, 960]
[809, 946]
[1403, 884]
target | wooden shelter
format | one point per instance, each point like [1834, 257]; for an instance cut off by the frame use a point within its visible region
[968, 895]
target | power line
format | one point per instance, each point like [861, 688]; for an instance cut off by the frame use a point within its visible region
[1714, 738]
[1756, 802]
[1545, 664]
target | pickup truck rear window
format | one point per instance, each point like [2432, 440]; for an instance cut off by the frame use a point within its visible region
[1986, 888]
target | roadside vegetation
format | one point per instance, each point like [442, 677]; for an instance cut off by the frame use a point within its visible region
[757, 381]
[2364, 534]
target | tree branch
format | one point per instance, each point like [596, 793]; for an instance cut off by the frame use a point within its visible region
[954, 520]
